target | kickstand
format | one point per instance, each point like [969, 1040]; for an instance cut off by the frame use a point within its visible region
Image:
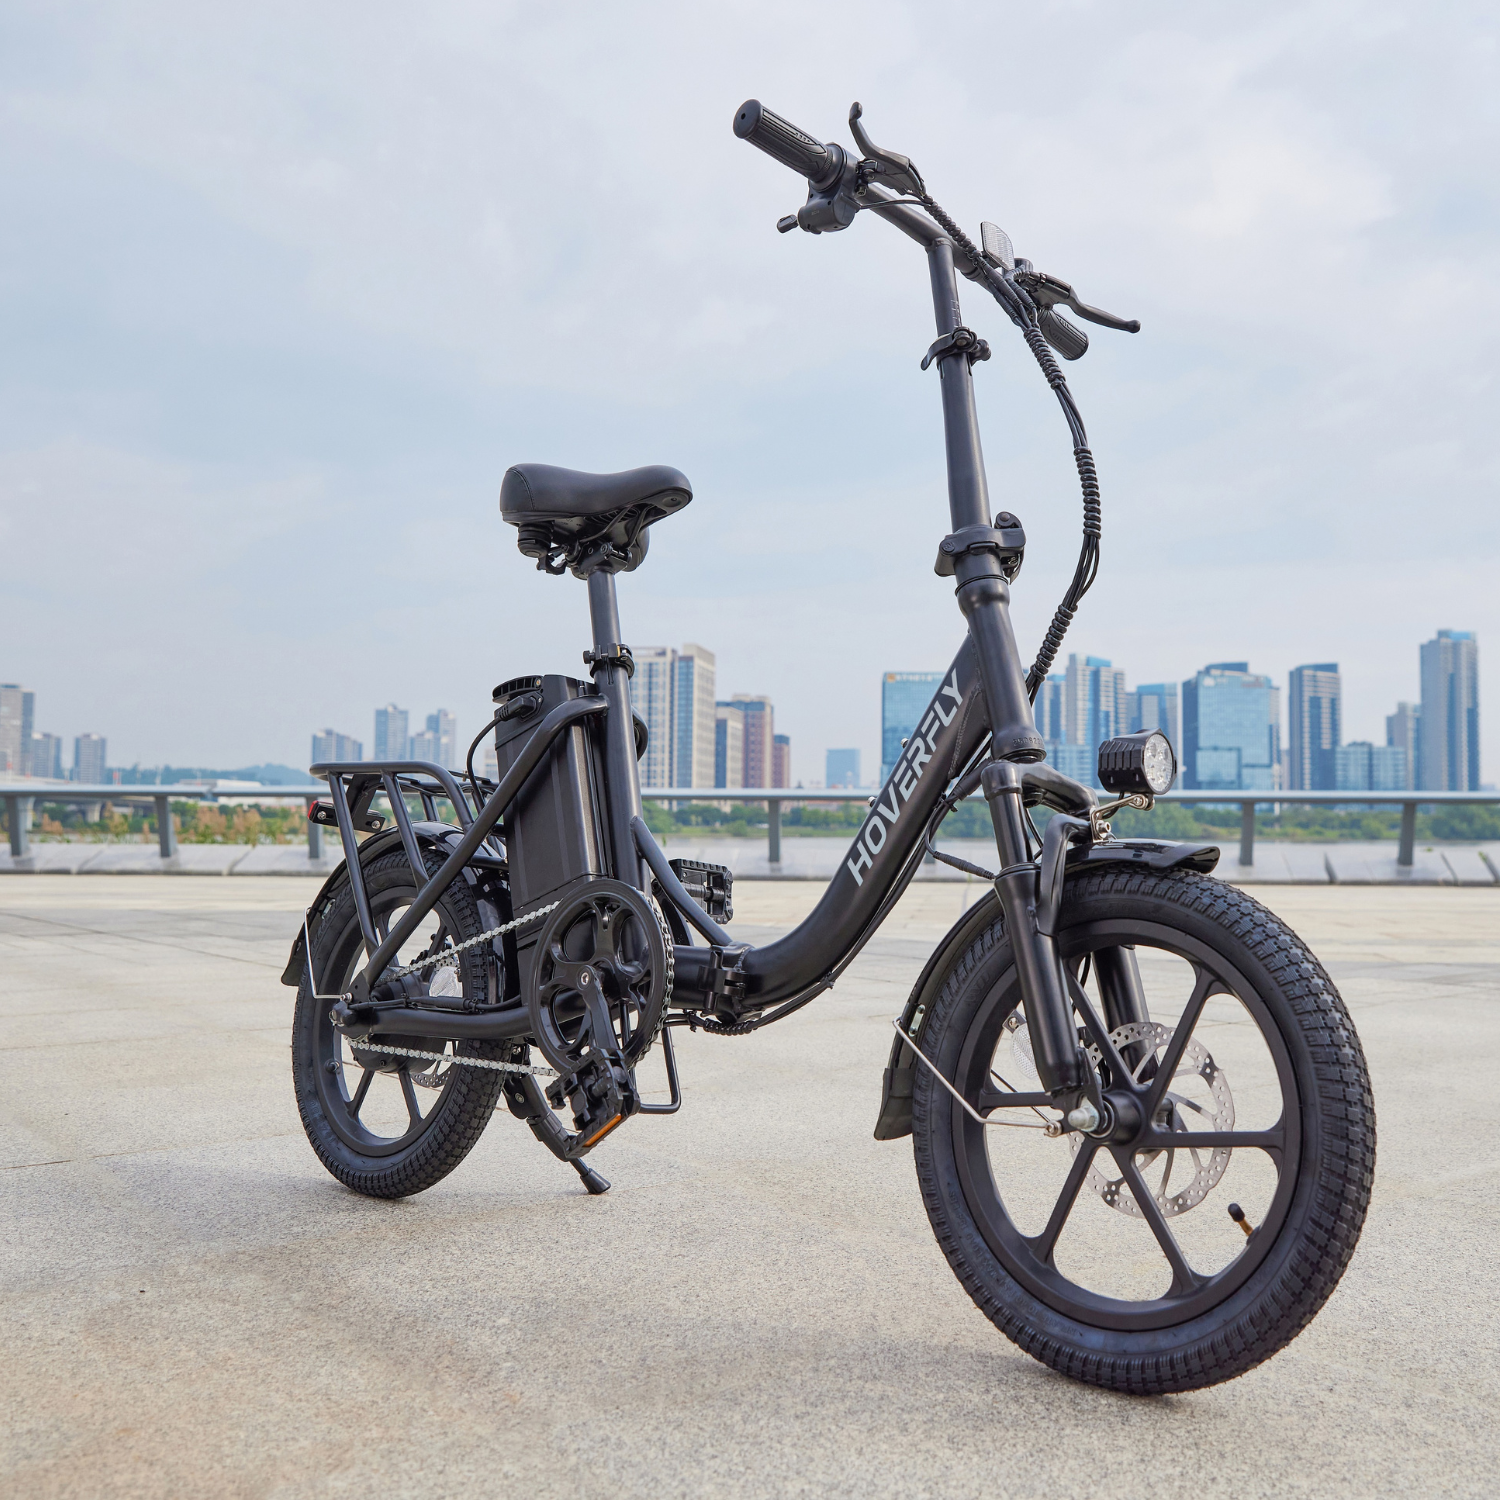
[591, 1179]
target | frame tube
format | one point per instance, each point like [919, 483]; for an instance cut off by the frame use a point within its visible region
[511, 783]
[622, 775]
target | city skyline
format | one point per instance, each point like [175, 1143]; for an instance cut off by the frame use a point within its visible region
[1075, 709]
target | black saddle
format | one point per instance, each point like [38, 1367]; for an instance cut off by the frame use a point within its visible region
[589, 521]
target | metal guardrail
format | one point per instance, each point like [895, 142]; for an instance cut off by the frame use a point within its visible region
[1409, 802]
[19, 796]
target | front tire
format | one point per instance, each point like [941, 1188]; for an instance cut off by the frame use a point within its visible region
[1083, 1262]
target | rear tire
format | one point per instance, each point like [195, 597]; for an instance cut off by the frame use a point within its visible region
[1209, 1327]
[326, 1066]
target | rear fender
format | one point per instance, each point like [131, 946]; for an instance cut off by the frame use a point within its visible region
[436, 836]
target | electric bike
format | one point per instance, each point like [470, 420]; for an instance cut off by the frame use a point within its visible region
[1141, 1118]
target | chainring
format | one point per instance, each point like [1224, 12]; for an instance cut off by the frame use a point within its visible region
[601, 975]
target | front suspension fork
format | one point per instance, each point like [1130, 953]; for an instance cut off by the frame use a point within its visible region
[1060, 1062]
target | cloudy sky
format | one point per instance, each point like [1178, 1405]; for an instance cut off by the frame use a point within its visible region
[286, 287]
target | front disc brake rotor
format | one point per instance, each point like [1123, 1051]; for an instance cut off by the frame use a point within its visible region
[1216, 1112]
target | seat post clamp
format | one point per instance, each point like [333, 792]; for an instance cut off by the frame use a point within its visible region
[961, 341]
[612, 654]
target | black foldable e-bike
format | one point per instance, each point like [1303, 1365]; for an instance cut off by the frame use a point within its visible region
[1142, 1120]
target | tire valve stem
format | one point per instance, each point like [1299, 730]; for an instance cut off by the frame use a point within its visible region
[1238, 1215]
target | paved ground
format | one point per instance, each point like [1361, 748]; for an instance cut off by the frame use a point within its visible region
[191, 1306]
[1273, 862]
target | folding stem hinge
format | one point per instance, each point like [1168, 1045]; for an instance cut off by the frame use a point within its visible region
[961, 341]
[1006, 539]
[612, 654]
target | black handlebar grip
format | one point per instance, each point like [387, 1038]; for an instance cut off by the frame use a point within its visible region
[780, 138]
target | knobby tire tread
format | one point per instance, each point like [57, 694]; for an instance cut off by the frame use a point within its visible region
[1326, 1237]
[469, 1098]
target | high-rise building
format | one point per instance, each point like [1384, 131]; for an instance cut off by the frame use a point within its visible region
[904, 697]
[88, 760]
[651, 696]
[46, 756]
[1231, 729]
[1153, 705]
[1363, 767]
[760, 737]
[1313, 714]
[1094, 702]
[1402, 733]
[781, 760]
[442, 732]
[729, 744]
[693, 719]
[841, 768]
[1051, 723]
[17, 710]
[391, 737]
[1449, 740]
[330, 745]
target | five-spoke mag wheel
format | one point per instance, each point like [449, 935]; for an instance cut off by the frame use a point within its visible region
[1113, 1255]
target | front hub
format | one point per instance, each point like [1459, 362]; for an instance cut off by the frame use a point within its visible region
[1126, 1119]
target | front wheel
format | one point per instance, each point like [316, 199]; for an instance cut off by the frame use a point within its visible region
[1217, 1205]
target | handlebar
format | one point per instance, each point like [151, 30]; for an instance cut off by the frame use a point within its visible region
[780, 138]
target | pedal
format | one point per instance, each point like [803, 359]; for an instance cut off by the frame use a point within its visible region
[711, 886]
[602, 1097]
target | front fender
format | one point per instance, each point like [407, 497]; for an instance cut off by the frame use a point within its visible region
[894, 1120]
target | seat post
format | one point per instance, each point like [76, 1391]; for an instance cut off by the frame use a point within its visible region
[619, 728]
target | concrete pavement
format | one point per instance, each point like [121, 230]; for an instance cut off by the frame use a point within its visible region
[191, 1306]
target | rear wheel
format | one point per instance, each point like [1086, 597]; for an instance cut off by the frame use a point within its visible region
[384, 1124]
[1216, 1207]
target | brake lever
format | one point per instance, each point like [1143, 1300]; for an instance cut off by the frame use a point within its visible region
[898, 170]
[1048, 291]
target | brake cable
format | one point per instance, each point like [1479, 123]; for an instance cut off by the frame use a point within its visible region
[1023, 313]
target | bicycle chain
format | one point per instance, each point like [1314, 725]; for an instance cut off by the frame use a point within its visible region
[486, 1062]
[450, 955]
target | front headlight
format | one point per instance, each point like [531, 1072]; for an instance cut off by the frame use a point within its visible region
[1141, 762]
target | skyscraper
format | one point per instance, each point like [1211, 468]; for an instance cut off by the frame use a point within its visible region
[841, 768]
[443, 729]
[729, 744]
[1231, 729]
[1153, 705]
[88, 760]
[651, 696]
[1448, 751]
[904, 697]
[1313, 722]
[781, 760]
[391, 738]
[1094, 702]
[1402, 732]
[329, 744]
[760, 737]
[1051, 723]
[693, 717]
[1363, 767]
[46, 756]
[17, 710]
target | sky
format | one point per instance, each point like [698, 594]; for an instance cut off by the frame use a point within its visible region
[286, 288]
